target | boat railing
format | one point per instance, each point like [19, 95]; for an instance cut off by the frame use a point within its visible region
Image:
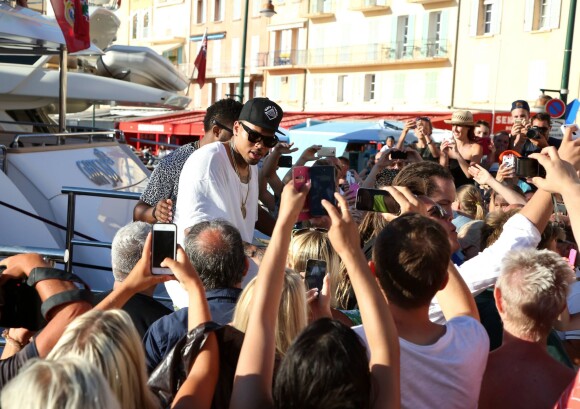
[72, 193]
[55, 255]
[3, 151]
[60, 138]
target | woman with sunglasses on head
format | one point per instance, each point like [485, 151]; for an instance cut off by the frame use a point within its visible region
[423, 130]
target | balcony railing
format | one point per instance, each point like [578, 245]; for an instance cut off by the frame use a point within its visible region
[356, 55]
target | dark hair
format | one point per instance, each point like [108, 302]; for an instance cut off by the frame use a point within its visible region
[216, 251]
[482, 122]
[225, 111]
[326, 367]
[418, 177]
[471, 134]
[411, 256]
[493, 226]
[542, 116]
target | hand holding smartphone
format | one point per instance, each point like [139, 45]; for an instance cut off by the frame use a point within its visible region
[326, 151]
[300, 176]
[314, 275]
[164, 244]
[376, 200]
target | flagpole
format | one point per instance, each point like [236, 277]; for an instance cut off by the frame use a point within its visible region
[62, 79]
[190, 80]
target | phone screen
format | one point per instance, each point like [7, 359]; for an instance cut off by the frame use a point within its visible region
[164, 243]
[322, 186]
[376, 200]
[314, 275]
[285, 161]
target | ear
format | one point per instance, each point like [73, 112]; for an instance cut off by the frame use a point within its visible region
[215, 130]
[373, 268]
[498, 299]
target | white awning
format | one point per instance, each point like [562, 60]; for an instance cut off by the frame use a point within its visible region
[163, 48]
[287, 26]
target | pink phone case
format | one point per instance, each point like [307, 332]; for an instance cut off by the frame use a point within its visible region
[301, 175]
[572, 257]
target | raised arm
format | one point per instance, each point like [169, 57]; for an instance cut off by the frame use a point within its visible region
[456, 299]
[410, 123]
[198, 389]
[483, 177]
[254, 373]
[380, 327]
[308, 155]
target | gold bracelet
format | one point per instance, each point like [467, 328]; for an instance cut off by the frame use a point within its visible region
[10, 340]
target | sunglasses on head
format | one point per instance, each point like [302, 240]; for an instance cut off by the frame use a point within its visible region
[255, 137]
[437, 212]
[298, 232]
[225, 128]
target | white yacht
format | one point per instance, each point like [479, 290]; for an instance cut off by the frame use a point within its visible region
[36, 162]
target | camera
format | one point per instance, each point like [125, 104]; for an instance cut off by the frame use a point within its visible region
[529, 168]
[534, 133]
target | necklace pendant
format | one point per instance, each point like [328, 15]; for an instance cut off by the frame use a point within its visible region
[243, 209]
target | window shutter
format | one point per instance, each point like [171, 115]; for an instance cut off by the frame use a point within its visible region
[529, 15]
[555, 6]
[496, 18]
[474, 22]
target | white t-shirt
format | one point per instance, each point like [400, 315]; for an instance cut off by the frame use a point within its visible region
[446, 374]
[210, 189]
[481, 272]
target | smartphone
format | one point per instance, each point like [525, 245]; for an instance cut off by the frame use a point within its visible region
[326, 151]
[572, 257]
[508, 160]
[301, 175]
[285, 161]
[164, 245]
[322, 186]
[517, 121]
[376, 200]
[529, 168]
[398, 155]
[350, 177]
[315, 272]
[575, 134]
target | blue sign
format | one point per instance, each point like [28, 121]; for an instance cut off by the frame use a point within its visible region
[572, 111]
[555, 108]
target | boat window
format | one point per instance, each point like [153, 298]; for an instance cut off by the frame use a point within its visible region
[19, 59]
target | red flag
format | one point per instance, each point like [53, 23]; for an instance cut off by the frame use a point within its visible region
[201, 60]
[73, 18]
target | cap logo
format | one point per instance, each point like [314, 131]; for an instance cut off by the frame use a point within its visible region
[271, 112]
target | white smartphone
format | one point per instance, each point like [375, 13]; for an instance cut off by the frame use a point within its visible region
[575, 134]
[164, 244]
[326, 151]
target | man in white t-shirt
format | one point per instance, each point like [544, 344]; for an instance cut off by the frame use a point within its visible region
[220, 180]
[441, 365]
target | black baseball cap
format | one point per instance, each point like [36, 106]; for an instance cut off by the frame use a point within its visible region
[263, 113]
[520, 104]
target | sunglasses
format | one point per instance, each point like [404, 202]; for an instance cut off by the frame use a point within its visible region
[225, 128]
[437, 212]
[255, 137]
[298, 232]
[422, 118]
[541, 129]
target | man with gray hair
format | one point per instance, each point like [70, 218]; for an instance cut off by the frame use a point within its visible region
[126, 250]
[530, 294]
[216, 251]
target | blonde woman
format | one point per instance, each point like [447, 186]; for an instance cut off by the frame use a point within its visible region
[68, 383]
[312, 243]
[109, 340]
[292, 315]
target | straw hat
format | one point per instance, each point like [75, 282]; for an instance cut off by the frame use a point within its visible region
[464, 118]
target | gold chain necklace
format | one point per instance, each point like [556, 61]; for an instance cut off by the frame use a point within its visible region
[244, 201]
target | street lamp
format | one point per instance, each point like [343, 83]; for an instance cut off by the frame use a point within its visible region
[268, 11]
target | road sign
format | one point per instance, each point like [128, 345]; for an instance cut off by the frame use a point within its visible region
[555, 108]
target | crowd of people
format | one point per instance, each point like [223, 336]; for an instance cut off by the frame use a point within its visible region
[454, 295]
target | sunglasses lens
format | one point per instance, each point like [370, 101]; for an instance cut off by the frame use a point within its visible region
[255, 137]
[437, 212]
